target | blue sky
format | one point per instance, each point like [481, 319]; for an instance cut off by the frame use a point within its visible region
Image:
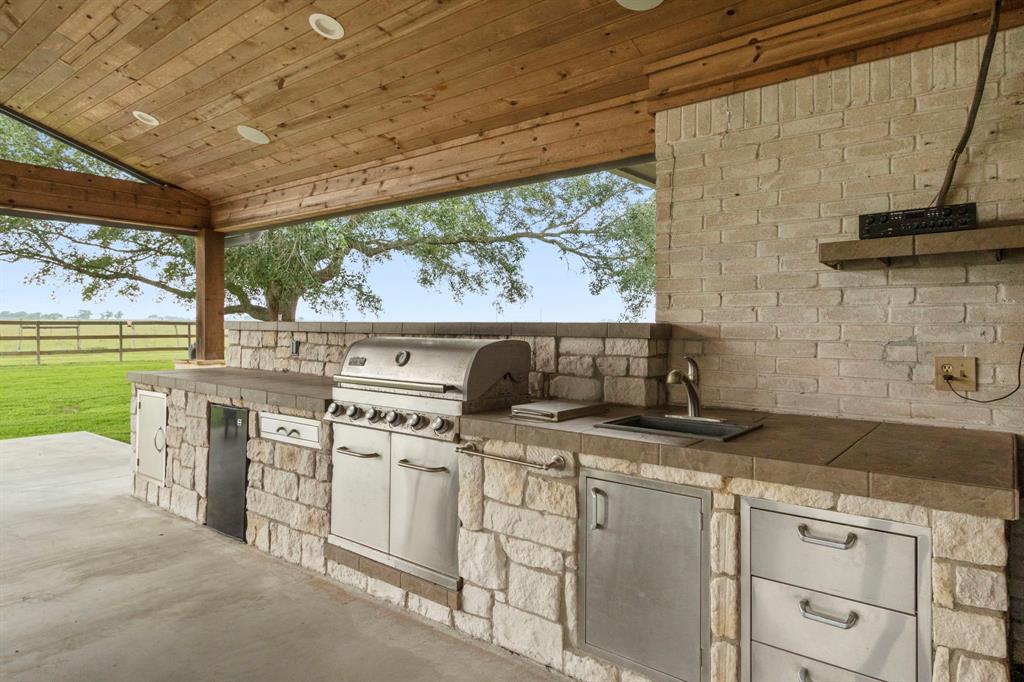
[559, 295]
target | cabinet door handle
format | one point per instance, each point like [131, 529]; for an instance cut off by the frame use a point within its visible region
[803, 676]
[352, 453]
[851, 538]
[420, 467]
[163, 440]
[810, 614]
[595, 493]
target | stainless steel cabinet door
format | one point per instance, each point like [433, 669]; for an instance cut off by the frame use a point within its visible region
[643, 576]
[360, 485]
[151, 434]
[425, 503]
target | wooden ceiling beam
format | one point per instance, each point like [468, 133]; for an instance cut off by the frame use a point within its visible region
[557, 144]
[54, 194]
[855, 33]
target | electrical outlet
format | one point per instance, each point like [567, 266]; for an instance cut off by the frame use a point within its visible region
[963, 369]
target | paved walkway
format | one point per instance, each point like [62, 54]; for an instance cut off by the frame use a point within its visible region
[97, 586]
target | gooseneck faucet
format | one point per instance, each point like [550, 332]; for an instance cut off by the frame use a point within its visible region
[690, 380]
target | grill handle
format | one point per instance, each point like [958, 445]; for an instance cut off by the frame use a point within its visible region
[557, 462]
[399, 384]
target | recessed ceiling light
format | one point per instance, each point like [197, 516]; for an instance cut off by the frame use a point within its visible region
[148, 119]
[253, 135]
[639, 5]
[326, 26]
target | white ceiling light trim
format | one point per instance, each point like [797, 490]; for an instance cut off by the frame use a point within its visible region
[326, 26]
[639, 5]
[148, 119]
[253, 135]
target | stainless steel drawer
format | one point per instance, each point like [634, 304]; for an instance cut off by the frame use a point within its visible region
[849, 561]
[292, 430]
[768, 664]
[424, 503]
[360, 485]
[859, 637]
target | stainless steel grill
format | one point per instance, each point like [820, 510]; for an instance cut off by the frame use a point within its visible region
[478, 373]
[395, 416]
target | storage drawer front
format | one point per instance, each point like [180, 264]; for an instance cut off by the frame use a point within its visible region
[878, 568]
[425, 504]
[880, 644]
[768, 664]
[360, 486]
[294, 430]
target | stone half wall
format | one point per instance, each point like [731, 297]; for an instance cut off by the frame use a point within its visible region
[749, 185]
[619, 363]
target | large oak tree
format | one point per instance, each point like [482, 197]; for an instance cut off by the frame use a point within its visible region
[600, 223]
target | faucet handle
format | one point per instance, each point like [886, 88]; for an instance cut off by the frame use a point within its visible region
[692, 369]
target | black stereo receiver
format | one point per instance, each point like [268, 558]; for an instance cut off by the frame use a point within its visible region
[919, 221]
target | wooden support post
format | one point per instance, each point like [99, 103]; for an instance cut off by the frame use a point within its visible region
[39, 339]
[120, 341]
[209, 295]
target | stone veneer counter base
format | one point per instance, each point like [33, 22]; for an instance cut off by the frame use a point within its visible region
[958, 470]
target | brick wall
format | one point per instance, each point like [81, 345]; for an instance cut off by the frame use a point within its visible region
[619, 363]
[749, 184]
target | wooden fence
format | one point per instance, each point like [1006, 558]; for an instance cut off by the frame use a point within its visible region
[41, 338]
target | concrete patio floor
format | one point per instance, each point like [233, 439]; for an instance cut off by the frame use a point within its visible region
[95, 585]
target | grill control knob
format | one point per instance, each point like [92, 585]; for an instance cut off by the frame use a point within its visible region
[415, 421]
[334, 409]
[440, 425]
[353, 412]
[393, 418]
[373, 414]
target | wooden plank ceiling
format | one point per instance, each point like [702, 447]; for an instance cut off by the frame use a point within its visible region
[419, 98]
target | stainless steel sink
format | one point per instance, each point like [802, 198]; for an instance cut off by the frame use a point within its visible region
[708, 429]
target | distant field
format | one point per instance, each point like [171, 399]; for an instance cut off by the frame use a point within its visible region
[72, 393]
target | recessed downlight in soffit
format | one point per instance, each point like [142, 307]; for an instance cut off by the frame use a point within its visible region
[639, 5]
[147, 119]
[326, 26]
[253, 135]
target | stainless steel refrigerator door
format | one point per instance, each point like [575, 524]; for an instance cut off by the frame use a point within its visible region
[425, 502]
[360, 485]
[227, 470]
[643, 576]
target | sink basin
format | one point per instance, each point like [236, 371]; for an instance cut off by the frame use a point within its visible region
[679, 426]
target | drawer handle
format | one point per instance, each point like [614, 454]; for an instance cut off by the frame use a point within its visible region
[851, 538]
[353, 453]
[810, 614]
[419, 467]
[804, 675]
[291, 433]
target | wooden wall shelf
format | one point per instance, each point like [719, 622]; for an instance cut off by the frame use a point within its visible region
[998, 239]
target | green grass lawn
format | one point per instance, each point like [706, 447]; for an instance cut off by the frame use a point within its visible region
[83, 393]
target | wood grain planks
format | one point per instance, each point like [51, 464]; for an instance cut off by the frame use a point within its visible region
[54, 194]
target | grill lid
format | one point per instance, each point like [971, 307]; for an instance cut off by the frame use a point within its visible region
[459, 369]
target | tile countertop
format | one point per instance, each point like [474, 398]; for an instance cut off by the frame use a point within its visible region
[951, 469]
[280, 389]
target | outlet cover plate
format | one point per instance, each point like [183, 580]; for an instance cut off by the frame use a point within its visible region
[964, 369]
